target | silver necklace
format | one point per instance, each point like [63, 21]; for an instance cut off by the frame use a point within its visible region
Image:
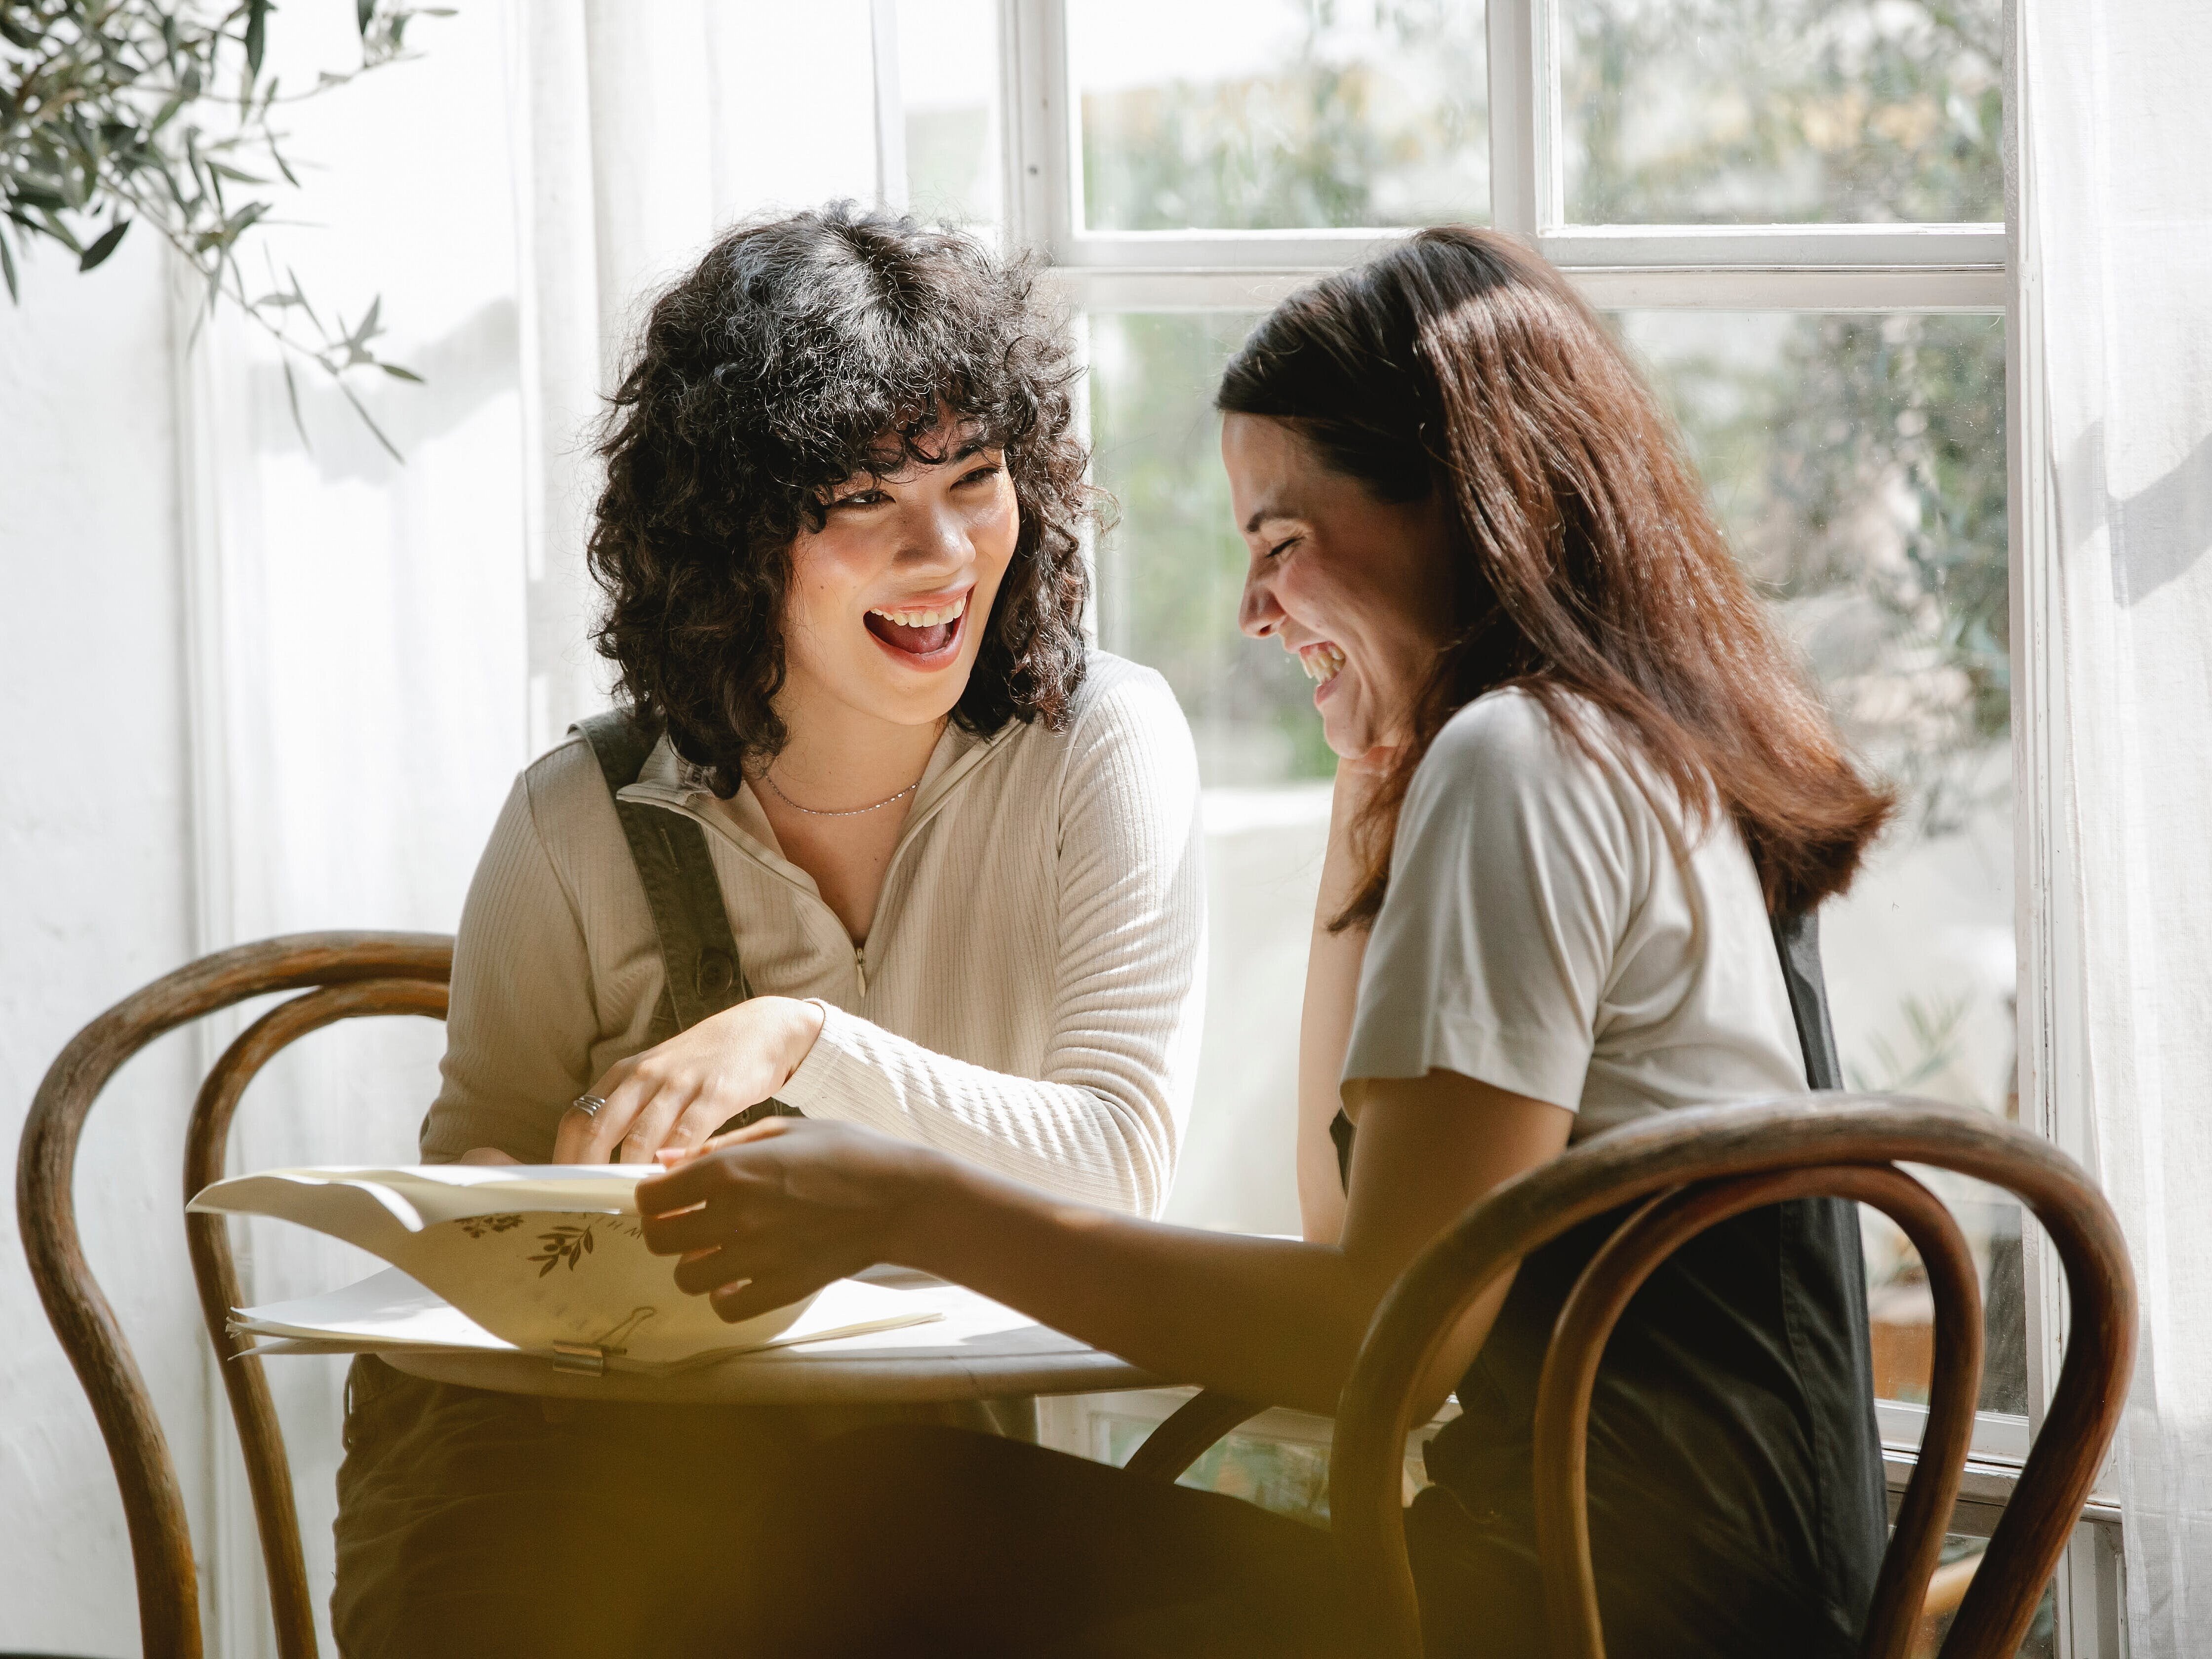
[849, 812]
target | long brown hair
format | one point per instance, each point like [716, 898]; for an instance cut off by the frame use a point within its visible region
[1587, 560]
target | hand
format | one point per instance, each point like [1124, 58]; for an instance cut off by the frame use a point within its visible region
[772, 1212]
[679, 1093]
[487, 1155]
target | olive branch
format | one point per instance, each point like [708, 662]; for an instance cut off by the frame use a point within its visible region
[112, 112]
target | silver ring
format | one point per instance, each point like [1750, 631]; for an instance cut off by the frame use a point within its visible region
[589, 1105]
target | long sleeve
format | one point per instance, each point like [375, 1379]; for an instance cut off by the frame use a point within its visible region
[1126, 959]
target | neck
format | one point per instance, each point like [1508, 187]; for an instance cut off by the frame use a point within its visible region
[837, 757]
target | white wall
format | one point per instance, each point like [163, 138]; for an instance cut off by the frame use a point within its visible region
[95, 899]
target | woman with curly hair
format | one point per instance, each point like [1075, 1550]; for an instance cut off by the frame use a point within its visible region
[943, 877]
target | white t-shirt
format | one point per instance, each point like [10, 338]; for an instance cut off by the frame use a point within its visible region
[1549, 931]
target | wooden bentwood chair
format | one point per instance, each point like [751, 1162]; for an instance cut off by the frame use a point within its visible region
[1691, 1169]
[344, 975]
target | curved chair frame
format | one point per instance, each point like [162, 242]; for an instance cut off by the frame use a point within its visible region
[345, 974]
[1690, 1169]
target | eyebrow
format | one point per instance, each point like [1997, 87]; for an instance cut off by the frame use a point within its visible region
[974, 446]
[1263, 513]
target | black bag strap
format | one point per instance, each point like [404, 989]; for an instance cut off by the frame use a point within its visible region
[697, 948]
[1797, 943]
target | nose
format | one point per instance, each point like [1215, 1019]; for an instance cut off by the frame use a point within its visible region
[1257, 614]
[934, 533]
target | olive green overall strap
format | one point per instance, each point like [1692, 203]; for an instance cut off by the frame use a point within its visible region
[697, 945]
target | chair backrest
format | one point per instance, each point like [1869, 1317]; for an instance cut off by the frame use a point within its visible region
[1690, 1170]
[344, 974]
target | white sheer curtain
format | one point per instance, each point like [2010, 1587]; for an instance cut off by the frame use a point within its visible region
[641, 133]
[377, 648]
[2114, 245]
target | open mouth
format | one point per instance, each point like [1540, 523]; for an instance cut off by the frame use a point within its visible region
[1323, 660]
[923, 633]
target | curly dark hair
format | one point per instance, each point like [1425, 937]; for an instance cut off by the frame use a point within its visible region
[801, 352]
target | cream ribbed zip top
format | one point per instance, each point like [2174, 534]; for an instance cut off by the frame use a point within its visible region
[1029, 995]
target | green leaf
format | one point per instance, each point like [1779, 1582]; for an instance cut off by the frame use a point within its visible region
[257, 37]
[399, 374]
[375, 431]
[364, 13]
[100, 250]
[8, 270]
[292, 397]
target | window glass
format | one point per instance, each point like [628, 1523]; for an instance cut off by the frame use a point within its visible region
[1857, 461]
[1279, 114]
[1171, 569]
[948, 69]
[1729, 111]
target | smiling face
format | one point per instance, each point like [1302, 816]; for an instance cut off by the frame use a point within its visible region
[1356, 588]
[888, 600]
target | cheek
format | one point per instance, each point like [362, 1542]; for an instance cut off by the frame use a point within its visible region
[1310, 588]
[996, 533]
[826, 578]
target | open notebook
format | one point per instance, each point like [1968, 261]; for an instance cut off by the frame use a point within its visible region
[547, 1260]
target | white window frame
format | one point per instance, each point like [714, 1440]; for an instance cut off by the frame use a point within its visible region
[1825, 268]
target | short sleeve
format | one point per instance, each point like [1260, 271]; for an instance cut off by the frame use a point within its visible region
[1512, 880]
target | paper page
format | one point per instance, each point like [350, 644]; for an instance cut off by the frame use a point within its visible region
[535, 1255]
[391, 1310]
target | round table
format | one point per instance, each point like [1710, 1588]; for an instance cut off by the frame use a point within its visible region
[976, 1349]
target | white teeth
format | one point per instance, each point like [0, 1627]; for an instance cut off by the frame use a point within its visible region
[1322, 662]
[924, 618]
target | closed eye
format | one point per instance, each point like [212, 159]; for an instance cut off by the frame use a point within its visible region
[860, 498]
[1277, 551]
[988, 470]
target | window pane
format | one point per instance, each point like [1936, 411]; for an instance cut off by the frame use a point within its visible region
[1171, 571]
[1858, 463]
[1730, 111]
[1281, 114]
[948, 69]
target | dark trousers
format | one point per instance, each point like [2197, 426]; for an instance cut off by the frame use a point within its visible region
[492, 1526]
[473, 1523]
[930, 1540]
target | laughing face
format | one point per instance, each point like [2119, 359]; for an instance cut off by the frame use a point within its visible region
[888, 600]
[1356, 588]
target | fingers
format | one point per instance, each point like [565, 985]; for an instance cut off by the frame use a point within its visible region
[488, 1155]
[696, 1125]
[700, 1177]
[650, 1130]
[574, 1140]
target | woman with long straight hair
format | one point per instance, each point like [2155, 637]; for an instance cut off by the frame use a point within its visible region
[1582, 781]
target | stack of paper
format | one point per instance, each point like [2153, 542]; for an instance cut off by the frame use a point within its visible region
[545, 1260]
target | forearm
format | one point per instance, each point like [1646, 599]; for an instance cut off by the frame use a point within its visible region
[1100, 1128]
[1332, 993]
[1268, 1319]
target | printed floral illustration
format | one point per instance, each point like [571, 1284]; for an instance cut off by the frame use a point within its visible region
[572, 1242]
[568, 1243]
[476, 1226]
